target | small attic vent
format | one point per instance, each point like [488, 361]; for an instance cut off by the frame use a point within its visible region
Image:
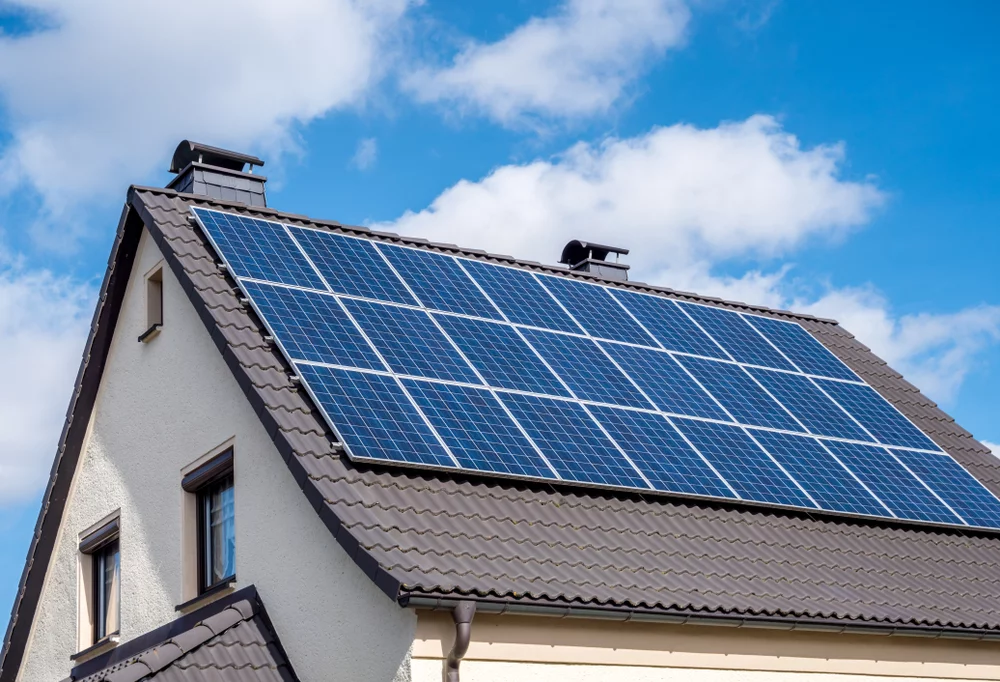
[217, 173]
[589, 257]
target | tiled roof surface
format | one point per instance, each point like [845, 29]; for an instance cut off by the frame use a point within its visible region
[236, 644]
[422, 533]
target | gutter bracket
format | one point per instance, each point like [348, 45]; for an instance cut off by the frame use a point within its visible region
[462, 614]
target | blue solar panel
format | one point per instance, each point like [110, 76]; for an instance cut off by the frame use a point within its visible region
[656, 448]
[742, 463]
[593, 307]
[956, 486]
[811, 356]
[500, 355]
[438, 282]
[739, 393]
[585, 369]
[352, 266]
[876, 414]
[665, 382]
[891, 482]
[258, 249]
[572, 441]
[476, 428]
[312, 326]
[521, 298]
[816, 411]
[669, 325]
[373, 416]
[736, 335]
[830, 484]
[409, 341]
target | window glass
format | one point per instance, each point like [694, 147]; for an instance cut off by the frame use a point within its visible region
[107, 588]
[218, 531]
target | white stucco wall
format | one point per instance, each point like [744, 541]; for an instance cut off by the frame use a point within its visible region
[161, 406]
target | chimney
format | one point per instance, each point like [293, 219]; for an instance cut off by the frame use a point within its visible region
[217, 173]
[589, 257]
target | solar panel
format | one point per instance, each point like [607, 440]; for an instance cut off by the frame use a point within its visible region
[595, 309]
[876, 415]
[409, 341]
[520, 297]
[587, 371]
[669, 325]
[735, 334]
[352, 266]
[477, 429]
[659, 451]
[427, 359]
[739, 393]
[665, 381]
[373, 416]
[312, 326]
[801, 347]
[747, 468]
[438, 282]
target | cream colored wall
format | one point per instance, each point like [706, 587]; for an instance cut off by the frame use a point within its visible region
[161, 406]
[538, 649]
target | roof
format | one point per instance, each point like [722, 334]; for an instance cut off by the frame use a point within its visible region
[435, 535]
[231, 639]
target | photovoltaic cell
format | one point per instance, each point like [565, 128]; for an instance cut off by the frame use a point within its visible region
[737, 336]
[312, 326]
[668, 323]
[258, 249]
[571, 441]
[891, 482]
[478, 431]
[438, 282]
[816, 411]
[742, 463]
[830, 484]
[409, 341]
[739, 393]
[877, 415]
[811, 356]
[593, 307]
[521, 298]
[352, 266]
[373, 416]
[653, 444]
[664, 381]
[585, 369]
[956, 486]
[500, 355]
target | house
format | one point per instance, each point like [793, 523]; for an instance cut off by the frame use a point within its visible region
[203, 521]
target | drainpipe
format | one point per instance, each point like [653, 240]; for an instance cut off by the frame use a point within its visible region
[462, 615]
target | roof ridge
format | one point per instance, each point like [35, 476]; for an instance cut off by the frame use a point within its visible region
[367, 232]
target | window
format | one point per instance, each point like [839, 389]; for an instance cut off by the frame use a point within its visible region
[217, 542]
[107, 590]
[154, 304]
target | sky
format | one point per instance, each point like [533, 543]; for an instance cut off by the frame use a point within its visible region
[837, 159]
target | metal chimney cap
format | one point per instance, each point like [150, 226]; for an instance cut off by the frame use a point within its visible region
[188, 152]
[576, 251]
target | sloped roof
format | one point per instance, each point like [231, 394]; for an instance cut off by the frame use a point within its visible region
[436, 535]
[231, 640]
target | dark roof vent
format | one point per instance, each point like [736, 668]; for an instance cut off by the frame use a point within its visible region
[217, 173]
[589, 257]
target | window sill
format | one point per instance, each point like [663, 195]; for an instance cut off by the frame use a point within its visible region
[99, 647]
[219, 589]
[150, 333]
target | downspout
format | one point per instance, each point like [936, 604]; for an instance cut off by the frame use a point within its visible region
[462, 615]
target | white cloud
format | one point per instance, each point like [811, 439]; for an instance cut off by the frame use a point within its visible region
[686, 200]
[102, 97]
[366, 154]
[44, 321]
[576, 62]
[992, 446]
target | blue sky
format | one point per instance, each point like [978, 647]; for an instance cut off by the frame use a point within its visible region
[838, 158]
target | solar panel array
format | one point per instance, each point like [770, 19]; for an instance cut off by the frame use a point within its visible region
[431, 360]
